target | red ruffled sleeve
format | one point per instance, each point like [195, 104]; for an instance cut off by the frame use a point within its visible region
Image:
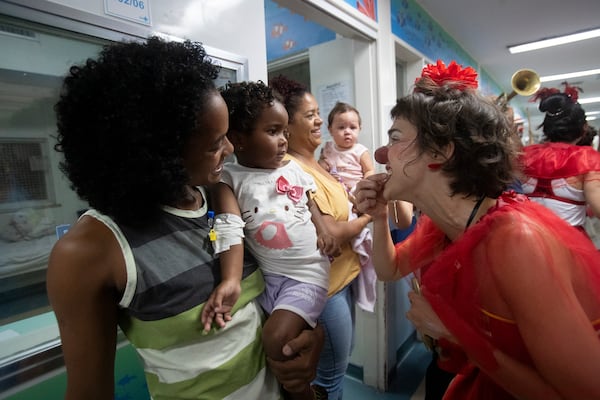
[559, 160]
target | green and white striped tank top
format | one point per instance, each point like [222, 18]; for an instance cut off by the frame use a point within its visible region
[170, 274]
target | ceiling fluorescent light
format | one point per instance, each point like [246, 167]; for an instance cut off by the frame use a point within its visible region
[592, 113]
[540, 44]
[589, 100]
[569, 75]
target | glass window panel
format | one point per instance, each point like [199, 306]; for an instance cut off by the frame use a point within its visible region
[35, 197]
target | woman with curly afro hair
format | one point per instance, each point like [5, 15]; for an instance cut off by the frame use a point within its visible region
[143, 132]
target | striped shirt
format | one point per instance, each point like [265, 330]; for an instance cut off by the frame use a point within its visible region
[170, 274]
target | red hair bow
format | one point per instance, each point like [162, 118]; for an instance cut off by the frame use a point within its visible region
[293, 192]
[571, 91]
[543, 93]
[454, 74]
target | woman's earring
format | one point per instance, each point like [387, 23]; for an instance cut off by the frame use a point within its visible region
[434, 166]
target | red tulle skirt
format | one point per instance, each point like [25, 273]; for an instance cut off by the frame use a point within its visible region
[459, 284]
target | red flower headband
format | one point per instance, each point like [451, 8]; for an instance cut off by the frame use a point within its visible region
[455, 75]
[571, 91]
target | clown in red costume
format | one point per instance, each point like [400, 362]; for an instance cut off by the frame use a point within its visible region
[560, 174]
[510, 292]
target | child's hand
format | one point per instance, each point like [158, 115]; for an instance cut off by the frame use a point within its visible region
[220, 303]
[328, 244]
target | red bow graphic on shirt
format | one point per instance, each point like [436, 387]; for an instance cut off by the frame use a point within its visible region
[293, 192]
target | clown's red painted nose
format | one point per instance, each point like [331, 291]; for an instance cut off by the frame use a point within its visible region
[381, 155]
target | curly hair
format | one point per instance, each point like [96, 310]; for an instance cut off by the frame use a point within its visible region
[483, 159]
[565, 119]
[291, 92]
[589, 133]
[246, 101]
[123, 122]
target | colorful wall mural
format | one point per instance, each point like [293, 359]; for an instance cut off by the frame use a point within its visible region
[487, 85]
[367, 7]
[288, 33]
[413, 25]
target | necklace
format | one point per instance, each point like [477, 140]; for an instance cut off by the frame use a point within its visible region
[474, 211]
[396, 212]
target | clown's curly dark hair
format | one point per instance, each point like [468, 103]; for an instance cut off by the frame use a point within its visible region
[123, 120]
[246, 102]
[483, 159]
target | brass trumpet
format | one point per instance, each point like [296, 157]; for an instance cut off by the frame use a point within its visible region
[524, 82]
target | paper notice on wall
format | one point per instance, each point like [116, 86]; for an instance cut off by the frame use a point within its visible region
[331, 94]
[327, 96]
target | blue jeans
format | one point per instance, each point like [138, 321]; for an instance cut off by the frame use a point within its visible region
[337, 320]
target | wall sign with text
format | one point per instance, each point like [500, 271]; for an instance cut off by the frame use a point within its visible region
[131, 10]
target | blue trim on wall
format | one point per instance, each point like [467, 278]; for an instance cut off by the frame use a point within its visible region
[412, 360]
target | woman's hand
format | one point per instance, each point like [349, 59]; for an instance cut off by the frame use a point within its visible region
[425, 319]
[294, 374]
[369, 195]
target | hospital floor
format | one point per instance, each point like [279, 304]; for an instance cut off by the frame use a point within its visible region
[406, 383]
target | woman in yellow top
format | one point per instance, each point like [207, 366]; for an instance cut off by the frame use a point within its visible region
[332, 199]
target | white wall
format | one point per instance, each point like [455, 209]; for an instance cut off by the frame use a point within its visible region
[369, 68]
[345, 68]
[331, 76]
[235, 26]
